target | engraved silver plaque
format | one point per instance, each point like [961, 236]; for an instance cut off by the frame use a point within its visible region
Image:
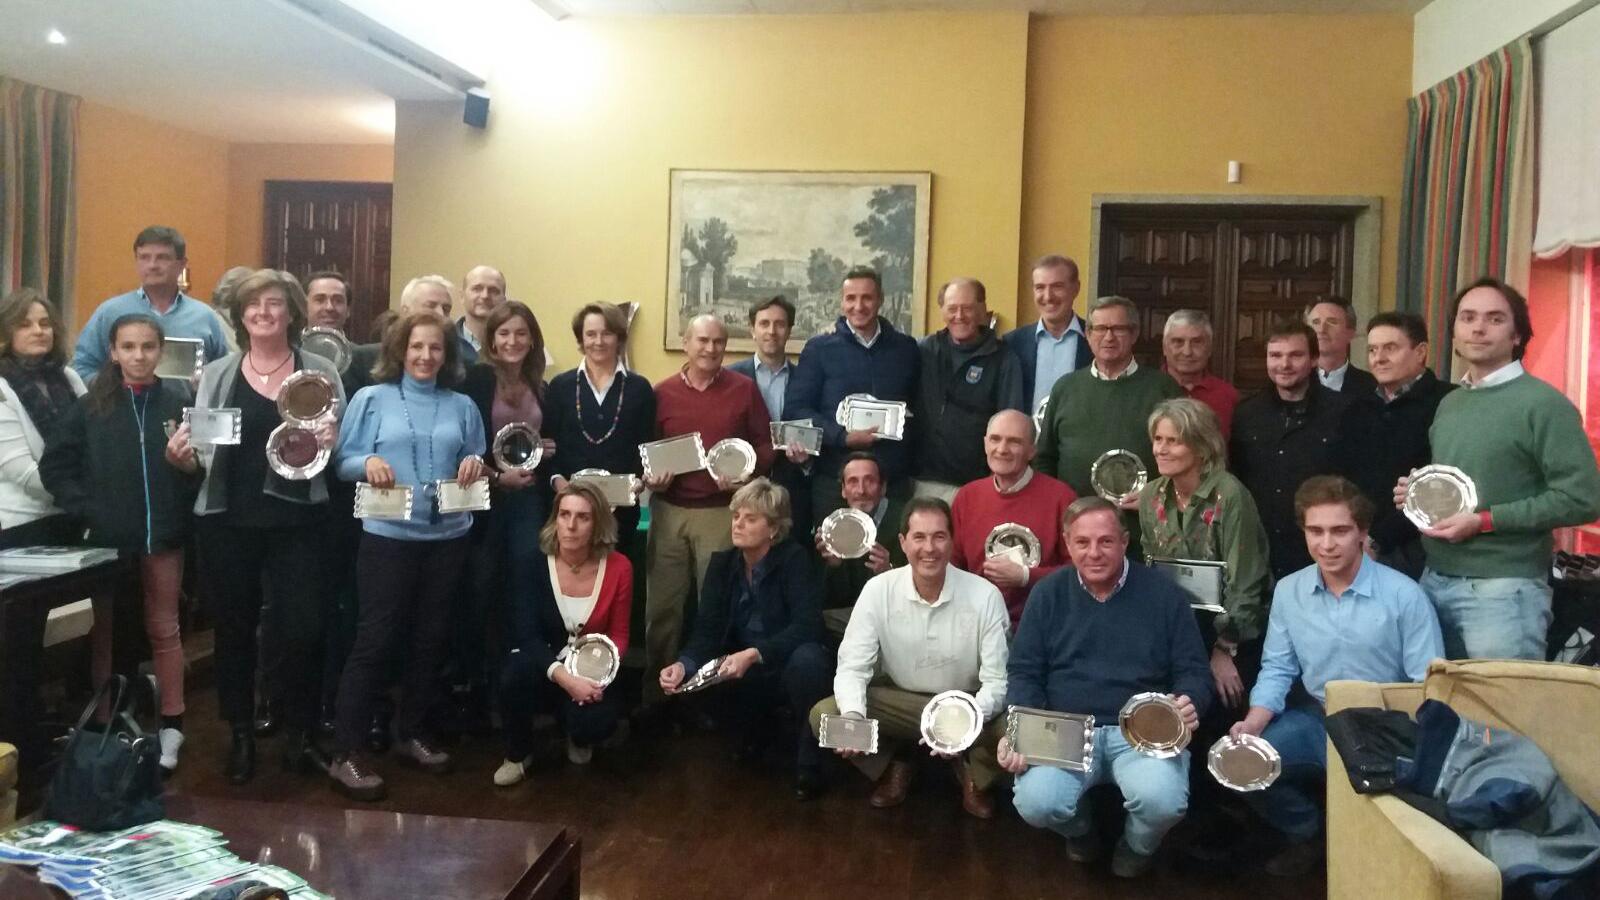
[1039, 413]
[306, 396]
[295, 452]
[1201, 579]
[848, 533]
[383, 503]
[454, 498]
[863, 412]
[951, 722]
[1153, 726]
[1435, 493]
[1117, 475]
[619, 490]
[732, 459]
[329, 343]
[673, 456]
[848, 733]
[181, 358]
[1244, 762]
[219, 425]
[595, 657]
[517, 446]
[1048, 738]
[800, 432]
[1015, 542]
[704, 677]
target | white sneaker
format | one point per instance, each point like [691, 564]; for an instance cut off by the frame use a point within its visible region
[511, 771]
[171, 739]
[578, 756]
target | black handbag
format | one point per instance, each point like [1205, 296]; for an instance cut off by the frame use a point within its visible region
[108, 780]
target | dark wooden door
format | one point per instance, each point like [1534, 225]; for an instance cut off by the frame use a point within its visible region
[343, 226]
[1244, 266]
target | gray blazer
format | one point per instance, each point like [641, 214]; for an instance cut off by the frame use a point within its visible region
[216, 384]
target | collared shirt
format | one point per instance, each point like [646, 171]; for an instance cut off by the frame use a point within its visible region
[583, 372]
[684, 374]
[1333, 380]
[865, 341]
[1222, 397]
[467, 337]
[1401, 390]
[1382, 629]
[1027, 476]
[1219, 523]
[1056, 357]
[186, 317]
[772, 384]
[1501, 375]
[1094, 369]
[1120, 581]
[957, 642]
[880, 510]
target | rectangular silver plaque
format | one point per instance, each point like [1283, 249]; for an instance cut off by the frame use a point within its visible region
[848, 733]
[1048, 738]
[383, 503]
[454, 498]
[673, 456]
[181, 358]
[619, 490]
[218, 425]
[886, 417]
[798, 431]
[1202, 579]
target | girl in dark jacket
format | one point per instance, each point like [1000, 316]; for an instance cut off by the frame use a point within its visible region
[106, 464]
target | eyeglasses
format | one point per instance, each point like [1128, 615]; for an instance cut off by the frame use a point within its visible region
[1118, 330]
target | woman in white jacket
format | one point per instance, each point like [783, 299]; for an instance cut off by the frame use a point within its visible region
[36, 389]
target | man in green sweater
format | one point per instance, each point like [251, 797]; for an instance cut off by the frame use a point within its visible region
[1103, 406]
[1522, 443]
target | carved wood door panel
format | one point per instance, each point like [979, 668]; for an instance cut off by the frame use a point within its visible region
[334, 225]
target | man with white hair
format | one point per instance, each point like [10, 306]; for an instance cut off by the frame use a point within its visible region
[483, 290]
[1186, 352]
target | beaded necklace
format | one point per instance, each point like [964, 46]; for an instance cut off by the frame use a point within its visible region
[622, 390]
[428, 487]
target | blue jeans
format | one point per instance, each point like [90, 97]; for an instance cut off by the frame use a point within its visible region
[1155, 792]
[1301, 740]
[1490, 618]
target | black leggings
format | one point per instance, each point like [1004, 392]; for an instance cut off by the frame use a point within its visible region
[525, 693]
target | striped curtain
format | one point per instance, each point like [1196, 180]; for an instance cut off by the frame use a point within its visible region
[38, 139]
[1467, 205]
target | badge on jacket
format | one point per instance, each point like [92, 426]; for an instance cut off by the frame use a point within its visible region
[974, 373]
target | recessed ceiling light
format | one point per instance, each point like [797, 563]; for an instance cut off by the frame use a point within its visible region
[55, 36]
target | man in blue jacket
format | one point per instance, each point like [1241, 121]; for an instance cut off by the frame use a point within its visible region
[1058, 343]
[1093, 635]
[863, 355]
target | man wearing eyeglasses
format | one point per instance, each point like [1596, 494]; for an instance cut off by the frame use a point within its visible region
[1104, 406]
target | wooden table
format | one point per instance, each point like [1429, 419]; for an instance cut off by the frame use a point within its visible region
[355, 854]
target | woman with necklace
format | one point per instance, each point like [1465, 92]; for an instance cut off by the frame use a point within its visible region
[256, 524]
[586, 587]
[407, 429]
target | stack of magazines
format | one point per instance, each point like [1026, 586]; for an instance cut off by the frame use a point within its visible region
[158, 861]
[52, 560]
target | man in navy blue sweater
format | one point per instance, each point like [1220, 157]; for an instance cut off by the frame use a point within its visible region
[1093, 635]
[863, 354]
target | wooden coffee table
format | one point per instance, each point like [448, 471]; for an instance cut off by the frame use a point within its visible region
[356, 854]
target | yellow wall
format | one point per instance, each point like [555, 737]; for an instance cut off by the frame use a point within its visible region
[250, 166]
[1141, 104]
[567, 189]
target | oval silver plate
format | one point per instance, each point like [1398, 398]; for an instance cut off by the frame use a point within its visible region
[306, 396]
[1244, 762]
[731, 459]
[328, 343]
[1152, 725]
[294, 452]
[1118, 474]
[951, 722]
[517, 446]
[1435, 493]
[595, 657]
[1010, 538]
[848, 533]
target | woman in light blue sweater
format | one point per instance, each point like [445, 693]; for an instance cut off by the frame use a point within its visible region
[409, 429]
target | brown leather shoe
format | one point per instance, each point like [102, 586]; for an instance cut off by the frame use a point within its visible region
[977, 803]
[892, 787]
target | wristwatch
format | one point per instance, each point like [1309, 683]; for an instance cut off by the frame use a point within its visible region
[1226, 647]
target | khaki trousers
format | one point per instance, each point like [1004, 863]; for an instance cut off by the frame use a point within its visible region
[899, 715]
[676, 553]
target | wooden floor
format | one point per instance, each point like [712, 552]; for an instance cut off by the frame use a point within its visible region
[676, 818]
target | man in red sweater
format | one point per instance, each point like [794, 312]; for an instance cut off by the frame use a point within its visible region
[1013, 492]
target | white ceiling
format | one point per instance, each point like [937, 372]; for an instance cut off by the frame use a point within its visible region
[1054, 7]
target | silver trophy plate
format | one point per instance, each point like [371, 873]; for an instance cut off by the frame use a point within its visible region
[1244, 762]
[704, 677]
[295, 452]
[732, 459]
[181, 358]
[1118, 475]
[595, 657]
[619, 490]
[863, 412]
[848, 533]
[219, 425]
[1015, 542]
[454, 498]
[517, 446]
[1039, 413]
[799, 432]
[1435, 493]
[1153, 726]
[328, 343]
[951, 722]
[673, 456]
[306, 396]
[1048, 738]
[383, 503]
[848, 733]
[1201, 579]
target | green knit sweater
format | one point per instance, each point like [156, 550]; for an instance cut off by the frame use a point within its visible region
[1087, 416]
[1522, 444]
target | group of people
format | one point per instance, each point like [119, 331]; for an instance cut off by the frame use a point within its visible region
[1295, 490]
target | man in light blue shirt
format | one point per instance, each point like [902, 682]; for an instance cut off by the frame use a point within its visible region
[1055, 345]
[771, 322]
[1344, 617]
[161, 255]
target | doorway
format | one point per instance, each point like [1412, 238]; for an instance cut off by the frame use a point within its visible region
[343, 226]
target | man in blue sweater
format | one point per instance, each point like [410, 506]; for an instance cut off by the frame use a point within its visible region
[1093, 635]
[863, 355]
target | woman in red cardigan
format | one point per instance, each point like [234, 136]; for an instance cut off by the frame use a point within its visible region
[586, 589]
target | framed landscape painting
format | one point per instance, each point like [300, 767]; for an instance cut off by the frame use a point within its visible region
[737, 237]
